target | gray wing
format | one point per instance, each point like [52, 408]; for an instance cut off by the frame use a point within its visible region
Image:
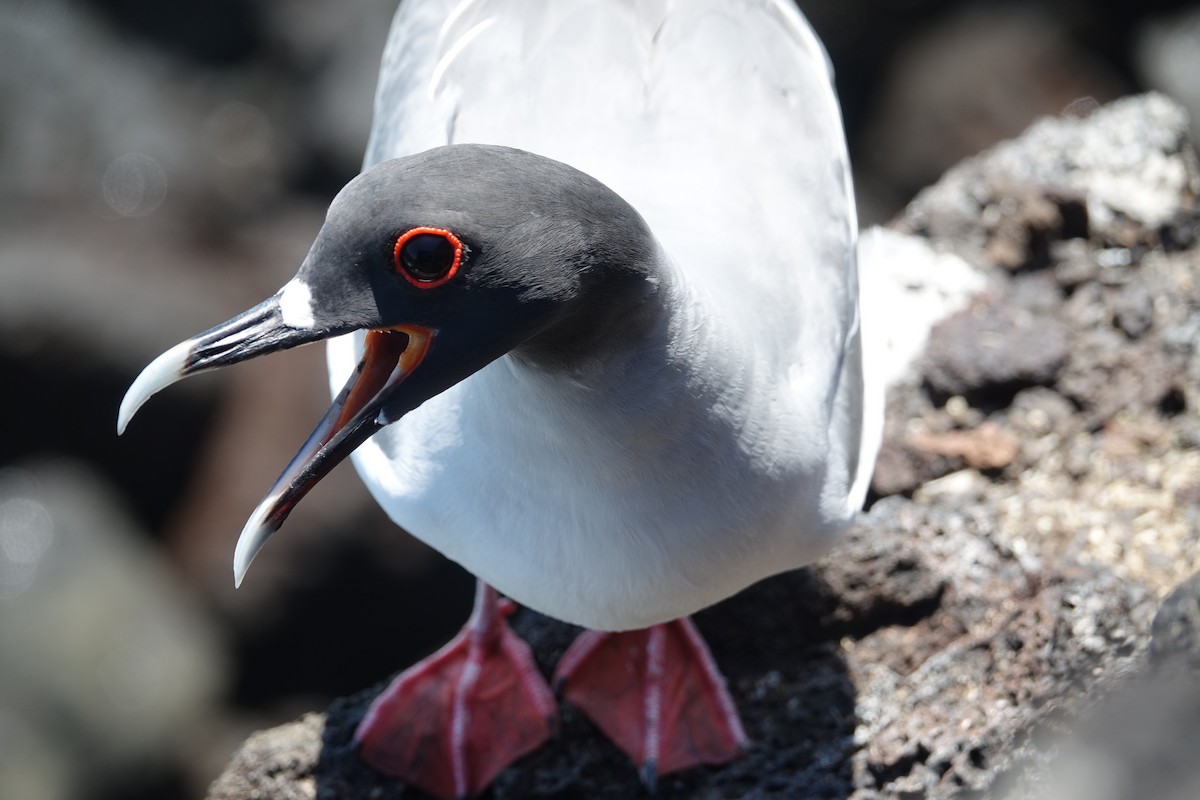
[408, 117]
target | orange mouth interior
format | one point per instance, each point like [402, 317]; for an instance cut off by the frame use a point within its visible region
[387, 360]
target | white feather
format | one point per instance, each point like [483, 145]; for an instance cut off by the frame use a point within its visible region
[296, 304]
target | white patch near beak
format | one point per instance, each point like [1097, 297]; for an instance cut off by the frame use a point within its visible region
[296, 306]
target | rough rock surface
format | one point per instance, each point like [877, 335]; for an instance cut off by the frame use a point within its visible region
[1039, 506]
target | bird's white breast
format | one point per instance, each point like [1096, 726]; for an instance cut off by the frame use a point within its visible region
[615, 500]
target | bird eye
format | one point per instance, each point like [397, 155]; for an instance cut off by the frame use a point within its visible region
[428, 257]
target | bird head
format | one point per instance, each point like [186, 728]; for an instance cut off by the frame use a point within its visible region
[447, 259]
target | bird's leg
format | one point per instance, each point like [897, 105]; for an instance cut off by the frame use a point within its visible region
[452, 722]
[656, 693]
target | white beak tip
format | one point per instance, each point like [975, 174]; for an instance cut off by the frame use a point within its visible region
[254, 535]
[241, 564]
[158, 375]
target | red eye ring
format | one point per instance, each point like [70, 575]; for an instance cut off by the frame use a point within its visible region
[443, 272]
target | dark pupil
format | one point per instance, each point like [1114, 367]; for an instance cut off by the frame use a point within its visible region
[427, 256]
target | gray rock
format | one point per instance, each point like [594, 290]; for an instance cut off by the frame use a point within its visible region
[1176, 629]
[1133, 310]
[1140, 741]
[110, 671]
[992, 349]
[1132, 161]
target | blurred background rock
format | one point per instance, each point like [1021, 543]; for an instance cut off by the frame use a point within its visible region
[165, 165]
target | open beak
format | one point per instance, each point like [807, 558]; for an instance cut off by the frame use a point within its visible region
[389, 357]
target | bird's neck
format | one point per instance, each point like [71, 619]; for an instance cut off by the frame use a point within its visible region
[627, 310]
[644, 340]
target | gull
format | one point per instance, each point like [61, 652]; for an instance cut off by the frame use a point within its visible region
[593, 333]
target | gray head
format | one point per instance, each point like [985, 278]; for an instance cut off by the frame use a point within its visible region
[539, 241]
[450, 259]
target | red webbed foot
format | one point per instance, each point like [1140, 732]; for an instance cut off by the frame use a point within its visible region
[452, 722]
[657, 694]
